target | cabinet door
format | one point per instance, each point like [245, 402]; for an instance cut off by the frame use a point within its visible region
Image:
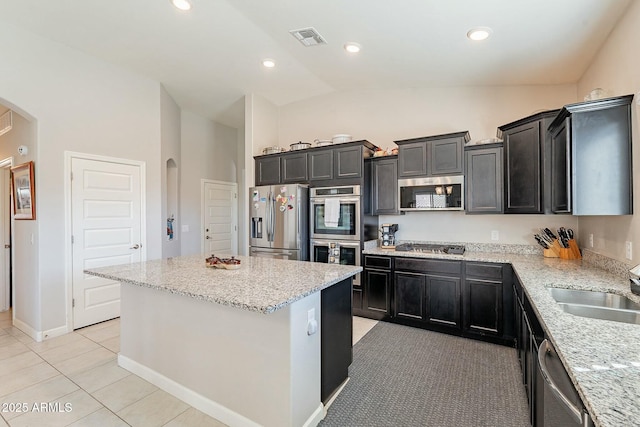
[377, 291]
[483, 307]
[409, 296]
[412, 160]
[484, 180]
[320, 165]
[522, 152]
[384, 187]
[560, 167]
[294, 168]
[348, 162]
[445, 157]
[268, 170]
[443, 300]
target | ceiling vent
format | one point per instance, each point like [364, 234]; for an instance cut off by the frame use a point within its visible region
[308, 36]
[6, 122]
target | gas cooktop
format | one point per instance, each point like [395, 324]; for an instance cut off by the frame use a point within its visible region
[431, 248]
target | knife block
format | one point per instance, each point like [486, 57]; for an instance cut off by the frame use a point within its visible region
[557, 251]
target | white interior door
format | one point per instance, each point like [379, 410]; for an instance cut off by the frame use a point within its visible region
[106, 215]
[220, 217]
[5, 239]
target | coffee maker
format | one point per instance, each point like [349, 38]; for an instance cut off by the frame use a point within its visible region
[388, 238]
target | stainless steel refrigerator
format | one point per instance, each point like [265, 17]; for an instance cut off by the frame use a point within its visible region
[279, 221]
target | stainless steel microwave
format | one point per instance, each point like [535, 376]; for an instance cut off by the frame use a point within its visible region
[442, 193]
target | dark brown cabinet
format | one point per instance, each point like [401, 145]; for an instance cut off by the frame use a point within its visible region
[384, 185]
[412, 159]
[268, 170]
[409, 296]
[560, 169]
[294, 167]
[525, 162]
[484, 179]
[487, 301]
[348, 162]
[432, 155]
[427, 291]
[375, 288]
[595, 138]
[321, 165]
[443, 301]
[472, 299]
[342, 164]
[445, 156]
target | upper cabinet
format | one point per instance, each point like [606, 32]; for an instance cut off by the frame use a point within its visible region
[525, 144]
[384, 185]
[432, 155]
[268, 170]
[483, 178]
[294, 167]
[590, 150]
[340, 164]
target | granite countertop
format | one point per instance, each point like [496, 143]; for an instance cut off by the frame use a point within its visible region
[260, 284]
[602, 357]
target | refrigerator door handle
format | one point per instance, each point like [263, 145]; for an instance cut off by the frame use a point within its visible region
[270, 217]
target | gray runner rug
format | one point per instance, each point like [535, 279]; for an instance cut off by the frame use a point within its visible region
[406, 377]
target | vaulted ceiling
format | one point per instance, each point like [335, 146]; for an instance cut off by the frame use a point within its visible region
[210, 57]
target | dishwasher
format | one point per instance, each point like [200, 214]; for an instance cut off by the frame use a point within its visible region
[562, 404]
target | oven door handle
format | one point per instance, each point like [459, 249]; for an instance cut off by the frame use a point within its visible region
[342, 199]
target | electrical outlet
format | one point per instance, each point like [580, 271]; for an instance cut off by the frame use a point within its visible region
[628, 249]
[591, 240]
[495, 235]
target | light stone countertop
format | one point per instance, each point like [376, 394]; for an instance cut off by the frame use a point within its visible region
[602, 357]
[260, 284]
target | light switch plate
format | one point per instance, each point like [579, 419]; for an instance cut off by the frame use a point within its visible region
[495, 235]
[185, 228]
[628, 247]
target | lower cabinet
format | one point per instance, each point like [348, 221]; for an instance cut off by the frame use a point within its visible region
[460, 297]
[483, 314]
[528, 337]
[409, 296]
[373, 298]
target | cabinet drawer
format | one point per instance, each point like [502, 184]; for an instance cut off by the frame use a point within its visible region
[377, 262]
[428, 265]
[484, 271]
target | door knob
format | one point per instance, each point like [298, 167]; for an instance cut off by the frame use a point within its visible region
[7, 246]
[136, 246]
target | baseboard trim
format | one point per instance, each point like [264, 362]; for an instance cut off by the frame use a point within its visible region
[56, 332]
[315, 418]
[208, 406]
[35, 335]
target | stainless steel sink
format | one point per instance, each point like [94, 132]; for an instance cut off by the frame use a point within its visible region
[597, 305]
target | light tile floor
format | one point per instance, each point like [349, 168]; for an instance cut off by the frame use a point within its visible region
[80, 370]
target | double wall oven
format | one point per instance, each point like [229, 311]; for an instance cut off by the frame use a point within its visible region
[335, 228]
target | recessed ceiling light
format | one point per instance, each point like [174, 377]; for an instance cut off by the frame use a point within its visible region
[182, 4]
[479, 33]
[268, 63]
[352, 47]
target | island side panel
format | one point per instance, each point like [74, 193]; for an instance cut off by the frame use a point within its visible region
[239, 366]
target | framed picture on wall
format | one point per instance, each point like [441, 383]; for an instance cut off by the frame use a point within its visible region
[23, 191]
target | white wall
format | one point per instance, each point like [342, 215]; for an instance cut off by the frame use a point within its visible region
[209, 150]
[616, 68]
[25, 255]
[85, 105]
[170, 140]
[260, 130]
[382, 116]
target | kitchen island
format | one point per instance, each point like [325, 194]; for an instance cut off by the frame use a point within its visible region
[237, 344]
